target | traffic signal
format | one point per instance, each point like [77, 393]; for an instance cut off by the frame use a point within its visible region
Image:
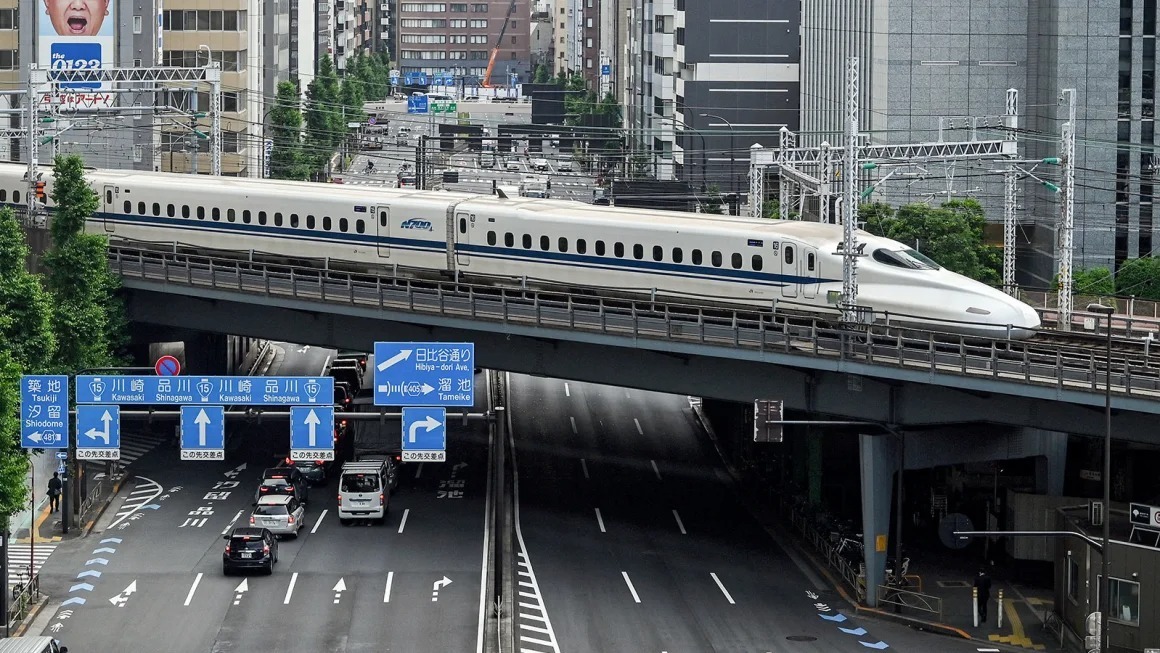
[40, 194]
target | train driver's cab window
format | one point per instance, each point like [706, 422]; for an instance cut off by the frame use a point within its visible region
[904, 258]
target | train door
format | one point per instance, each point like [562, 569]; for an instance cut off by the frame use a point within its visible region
[110, 207]
[463, 237]
[810, 265]
[382, 217]
[789, 270]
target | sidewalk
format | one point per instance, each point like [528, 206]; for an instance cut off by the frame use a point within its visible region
[944, 579]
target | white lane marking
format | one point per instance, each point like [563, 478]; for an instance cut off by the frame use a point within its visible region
[572, 420]
[148, 489]
[403, 521]
[318, 522]
[483, 602]
[290, 588]
[232, 522]
[655, 469]
[600, 521]
[680, 524]
[626, 395]
[325, 364]
[584, 467]
[987, 650]
[567, 390]
[193, 588]
[387, 591]
[418, 471]
[722, 588]
[638, 428]
[628, 581]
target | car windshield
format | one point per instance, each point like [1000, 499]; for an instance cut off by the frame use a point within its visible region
[240, 544]
[270, 511]
[360, 483]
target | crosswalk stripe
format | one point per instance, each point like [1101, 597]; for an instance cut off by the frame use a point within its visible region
[20, 557]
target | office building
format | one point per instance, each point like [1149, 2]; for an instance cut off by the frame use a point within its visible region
[459, 37]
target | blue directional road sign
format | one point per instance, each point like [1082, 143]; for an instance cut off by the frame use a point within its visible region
[312, 433]
[424, 373]
[424, 435]
[203, 432]
[207, 390]
[98, 432]
[44, 411]
[416, 104]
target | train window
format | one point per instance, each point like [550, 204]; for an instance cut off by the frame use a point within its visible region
[638, 252]
[16, 197]
[678, 255]
[4, 198]
[326, 223]
[216, 214]
[757, 263]
[200, 212]
[697, 259]
[563, 244]
[343, 224]
[128, 204]
[811, 261]
[140, 205]
[463, 226]
[277, 219]
[736, 260]
[658, 253]
[231, 215]
[581, 246]
[508, 239]
[789, 254]
[360, 226]
[716, 258]
[600, 248]
[294, 220]
[491, 238]
[261, 217]
[170, 210]
[527, 241]
[618, 250]
[108, 196]
[382, 217]
[246, 216]
[545, 243]
[156, 209]
[184, 210]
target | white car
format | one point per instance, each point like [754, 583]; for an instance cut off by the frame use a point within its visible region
[565, 165]
[512, 165]
[540, 164]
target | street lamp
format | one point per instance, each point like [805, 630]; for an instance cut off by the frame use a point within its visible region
[732, 149]
[699, 135]
[1105, 581]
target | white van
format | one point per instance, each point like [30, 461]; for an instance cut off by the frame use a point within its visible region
[363, 491]
[31, 644]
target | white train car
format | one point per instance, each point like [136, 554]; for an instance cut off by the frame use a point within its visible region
[685, 256]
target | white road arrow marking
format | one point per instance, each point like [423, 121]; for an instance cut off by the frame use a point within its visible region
[121, 599]
[233, 472]
[242, 588]
[312, 422]
[339, 588]
[114, 540]
[429, 423]
[201, 420]
[97, 561]
[104, 549]
[440, 584]
[89, 573]
[81, 586]
[403, 355]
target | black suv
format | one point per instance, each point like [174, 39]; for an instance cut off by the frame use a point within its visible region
[283, 480]
[249, 548]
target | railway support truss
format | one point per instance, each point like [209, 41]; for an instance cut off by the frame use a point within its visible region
[44, 84]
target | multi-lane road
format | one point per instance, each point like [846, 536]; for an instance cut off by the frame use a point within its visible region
[630, 539]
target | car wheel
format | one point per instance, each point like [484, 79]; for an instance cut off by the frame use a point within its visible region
[344, 522]
[226, 571]
[270, 569]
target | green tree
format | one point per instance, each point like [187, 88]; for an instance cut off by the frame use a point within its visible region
[542, 76]
[951, 234]
[324, 126]
[712, 202]
[13, 459]
[25, 307]
[351, 98]
[88, 318]
[1139, 277]
[287, 159]
[609, 107]
[1091, 281]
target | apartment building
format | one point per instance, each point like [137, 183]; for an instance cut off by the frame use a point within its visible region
[458, 38]
[694, 106]
[587, 39]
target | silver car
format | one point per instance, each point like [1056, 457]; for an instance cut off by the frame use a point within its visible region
[282, 514]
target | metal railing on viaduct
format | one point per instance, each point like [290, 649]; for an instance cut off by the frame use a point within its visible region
[1051, 369]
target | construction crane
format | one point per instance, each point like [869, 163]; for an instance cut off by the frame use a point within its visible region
[499, 42]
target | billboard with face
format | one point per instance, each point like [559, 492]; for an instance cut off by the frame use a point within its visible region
[77, 35]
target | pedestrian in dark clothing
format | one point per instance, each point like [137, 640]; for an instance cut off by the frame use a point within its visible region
[983, 585]
[54, 486]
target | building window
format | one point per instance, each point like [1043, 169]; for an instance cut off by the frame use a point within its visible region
[1125, 17]
[459, 7]
[1124, 601]
[9, 59]
[9, 19]
[477, 23]
[137, 24]
[481, 8]
[423, 6]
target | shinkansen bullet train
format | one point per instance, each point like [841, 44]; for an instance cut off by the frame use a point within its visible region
[789, 265]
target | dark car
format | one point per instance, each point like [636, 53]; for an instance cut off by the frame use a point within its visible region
[283, 480]
[316, 472]
[248, 547]
[350, 375]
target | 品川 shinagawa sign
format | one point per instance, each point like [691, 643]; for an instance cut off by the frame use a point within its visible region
[209, 390]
